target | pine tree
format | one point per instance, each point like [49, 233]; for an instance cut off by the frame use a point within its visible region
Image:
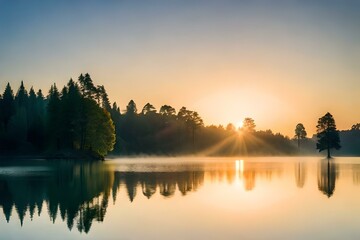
[53, 117]
[87, 86]
[103, 97]
[300, 133]
[327, 134]
[7, 106]
[131, 108]
[21, 97]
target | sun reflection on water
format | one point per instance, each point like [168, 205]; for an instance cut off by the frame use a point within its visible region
[239, 166]
[239, 170]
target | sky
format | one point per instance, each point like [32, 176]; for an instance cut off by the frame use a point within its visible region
[278, 62]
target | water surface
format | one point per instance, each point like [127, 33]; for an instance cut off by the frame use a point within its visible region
[181, 198]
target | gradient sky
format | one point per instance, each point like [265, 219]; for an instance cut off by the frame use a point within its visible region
[279, 62]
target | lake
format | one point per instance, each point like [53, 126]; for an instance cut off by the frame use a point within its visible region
[181, 198]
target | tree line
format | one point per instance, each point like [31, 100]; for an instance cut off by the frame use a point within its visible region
[73, 119]
[81, 118]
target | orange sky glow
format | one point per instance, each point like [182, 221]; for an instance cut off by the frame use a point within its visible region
[280, 63]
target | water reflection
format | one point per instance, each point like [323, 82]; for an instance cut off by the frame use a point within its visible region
[166, 182]
[327, 175]
[356, 175]
[78, 193]
[300, 174]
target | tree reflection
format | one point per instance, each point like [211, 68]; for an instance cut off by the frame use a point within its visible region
[356, 174]
[249, 179]
[167, 185]
[300, 174]
[131, 181]
[148, 185]
[166, 182]
[79, 192]
[327, 174]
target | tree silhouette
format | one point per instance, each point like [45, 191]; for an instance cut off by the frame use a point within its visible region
[249, 125]
[102, 95]
[356, 127]
[79, 119]
[327, 174]
[148, 109]
[87, 86]
[167, 110]
[300, 132]
[53, 117]
[33, 119]
[18, 125]
[131, 108]
[192, 120]
[21, 96]
[328, 136]
[7, 106]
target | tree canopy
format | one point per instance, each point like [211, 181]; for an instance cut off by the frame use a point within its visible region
[248, 125]
[327, 134]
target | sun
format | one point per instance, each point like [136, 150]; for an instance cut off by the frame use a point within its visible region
[239, 125]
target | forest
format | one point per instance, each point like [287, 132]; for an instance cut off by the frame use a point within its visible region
[80, 119]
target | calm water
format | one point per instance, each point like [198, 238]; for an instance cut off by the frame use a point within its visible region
[181, 198]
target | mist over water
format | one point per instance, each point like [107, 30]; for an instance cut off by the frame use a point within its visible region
[181, 198]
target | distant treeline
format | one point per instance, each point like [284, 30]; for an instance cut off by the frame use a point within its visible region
[81, 118]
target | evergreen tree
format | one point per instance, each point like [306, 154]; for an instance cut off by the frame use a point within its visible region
[41, 120]
[102, 95]
[87, 86]
[131, 108]
[129, 128]
[21, 96]
[53, 118]
[117, 120]
[7, 105]
[32, 116]
[300, 133]
[71, 115]
[327, 134]
[19, 123]
[115, 112]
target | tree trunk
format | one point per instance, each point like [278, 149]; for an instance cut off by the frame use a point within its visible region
[328, 153]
